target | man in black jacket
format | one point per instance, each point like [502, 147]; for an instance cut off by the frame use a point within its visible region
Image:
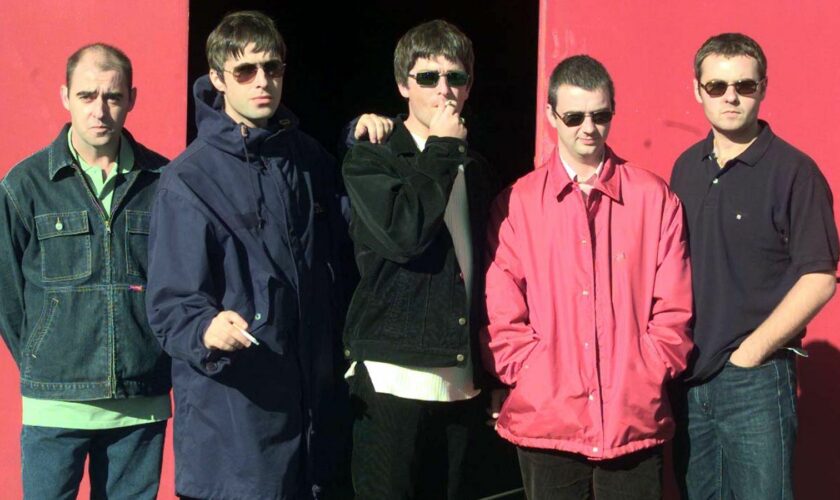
[419, 205]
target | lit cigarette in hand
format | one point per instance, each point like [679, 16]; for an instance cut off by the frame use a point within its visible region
[248, 335]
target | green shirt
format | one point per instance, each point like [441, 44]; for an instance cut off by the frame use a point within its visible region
[104, 413]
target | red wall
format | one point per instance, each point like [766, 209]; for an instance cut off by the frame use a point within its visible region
[36, 36]
[648, 47]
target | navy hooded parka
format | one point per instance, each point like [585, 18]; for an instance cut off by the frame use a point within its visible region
[250, 220]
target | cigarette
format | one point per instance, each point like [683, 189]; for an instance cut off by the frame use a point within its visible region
[247, 335]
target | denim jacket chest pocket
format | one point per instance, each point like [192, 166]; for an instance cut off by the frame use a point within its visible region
[65, 243]
[137, 242]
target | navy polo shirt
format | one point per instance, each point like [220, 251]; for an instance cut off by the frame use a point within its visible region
[755, 226]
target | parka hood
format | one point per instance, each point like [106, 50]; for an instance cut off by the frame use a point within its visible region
[219, 129]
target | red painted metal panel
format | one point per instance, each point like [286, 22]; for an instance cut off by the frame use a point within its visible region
[648, 46]
[36, 37]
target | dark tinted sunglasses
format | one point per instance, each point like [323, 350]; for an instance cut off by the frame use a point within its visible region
[716, 88]
[575, 118]
[245, 73]
[430, 78]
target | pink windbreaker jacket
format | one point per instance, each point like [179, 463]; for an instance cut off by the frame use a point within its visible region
[588, 310]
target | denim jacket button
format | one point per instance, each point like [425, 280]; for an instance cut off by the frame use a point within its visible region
[461, 149]
[58, 225]
[347, 353]
[257, 317]
[462, 321]
[460, 358]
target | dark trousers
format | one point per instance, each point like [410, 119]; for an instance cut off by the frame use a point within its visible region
[556, 475]
[124, 462]
[409, 449]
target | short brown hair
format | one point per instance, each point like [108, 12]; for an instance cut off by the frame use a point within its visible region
[239, 29]
[432, 39]
[114, 59]
[731, 45]
[580, 71]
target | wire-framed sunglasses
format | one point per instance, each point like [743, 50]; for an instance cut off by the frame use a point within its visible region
[246, 72]
[431, 78]
[575, 118]
[716, 88]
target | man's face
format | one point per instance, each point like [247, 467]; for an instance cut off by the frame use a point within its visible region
[730, 113]
[423, 102]
[255, 99]
[583, 143]
[99, 101]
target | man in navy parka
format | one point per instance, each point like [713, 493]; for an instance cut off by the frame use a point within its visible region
[243, 288]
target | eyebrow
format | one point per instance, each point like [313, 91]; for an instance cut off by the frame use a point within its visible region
[93, 93]
[247, 64]
[584, 112]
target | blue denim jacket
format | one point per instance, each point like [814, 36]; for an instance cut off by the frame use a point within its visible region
[72, 289]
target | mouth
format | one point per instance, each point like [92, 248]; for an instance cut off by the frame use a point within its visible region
[263, 99]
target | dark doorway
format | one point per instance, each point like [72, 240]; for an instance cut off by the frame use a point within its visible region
[340, 64]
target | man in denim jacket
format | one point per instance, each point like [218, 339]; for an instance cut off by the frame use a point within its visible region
[74, 220]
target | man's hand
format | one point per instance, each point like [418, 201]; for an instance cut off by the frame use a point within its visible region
[497, 397]
[742, 358]
[447, 122]
[376, 128]
[224, 333]
[802, 302]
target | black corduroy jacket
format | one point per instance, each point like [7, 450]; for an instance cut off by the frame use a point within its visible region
[410, 307]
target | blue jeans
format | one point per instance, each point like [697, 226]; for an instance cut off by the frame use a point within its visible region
[124, 462]
[736, 433]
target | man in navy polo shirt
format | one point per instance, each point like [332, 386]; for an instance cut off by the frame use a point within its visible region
[764, 252]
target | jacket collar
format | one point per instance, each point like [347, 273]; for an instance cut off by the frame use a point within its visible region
[61, 158]
[608, 182]
[401, 141]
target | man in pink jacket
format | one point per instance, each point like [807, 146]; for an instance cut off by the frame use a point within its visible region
[589, 303]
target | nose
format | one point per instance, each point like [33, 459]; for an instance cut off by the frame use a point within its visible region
[443, 86]
[261, 79]
[588, 124]
[731, 96]
[98, 107]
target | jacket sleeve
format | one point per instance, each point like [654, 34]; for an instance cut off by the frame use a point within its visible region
[508, 339]
[399, 206]
[180, 298]
[670, 317]
[14, 236]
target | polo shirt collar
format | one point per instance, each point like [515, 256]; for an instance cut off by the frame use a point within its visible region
[60, 156]
[123, 165]
[608, 181]
[750, 156]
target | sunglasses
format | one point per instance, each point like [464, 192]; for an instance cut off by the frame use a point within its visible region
[245, 73]
[716, 88]
[575, 118]
[431, 78]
